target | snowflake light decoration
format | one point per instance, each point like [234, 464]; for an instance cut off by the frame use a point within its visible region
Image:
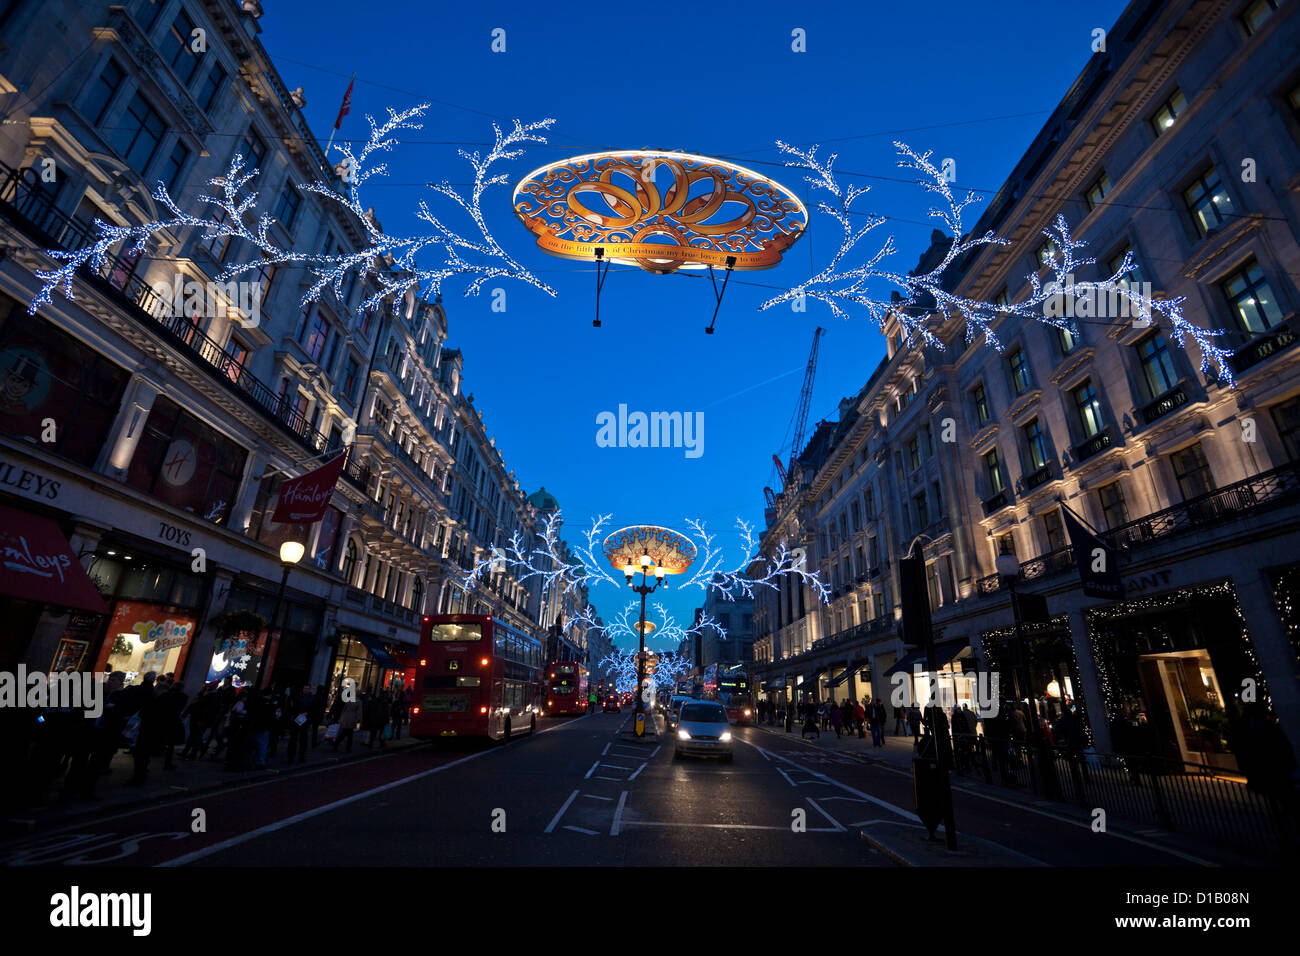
[841, 285]
[228, 215]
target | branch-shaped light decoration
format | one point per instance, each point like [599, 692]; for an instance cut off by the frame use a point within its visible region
[226, 215]
[842, 286]
[711, 569]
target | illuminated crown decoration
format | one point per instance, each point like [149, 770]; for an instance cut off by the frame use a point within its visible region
[660, 211]
[668, 549]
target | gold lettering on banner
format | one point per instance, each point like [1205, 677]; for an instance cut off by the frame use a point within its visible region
[659, 211]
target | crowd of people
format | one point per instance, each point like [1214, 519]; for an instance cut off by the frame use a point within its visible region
[155, 719]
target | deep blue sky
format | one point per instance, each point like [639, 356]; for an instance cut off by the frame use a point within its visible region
[968, 80]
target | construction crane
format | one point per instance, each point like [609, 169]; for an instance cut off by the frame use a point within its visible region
[801, 415]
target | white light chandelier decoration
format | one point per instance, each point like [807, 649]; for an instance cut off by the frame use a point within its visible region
[549, 563]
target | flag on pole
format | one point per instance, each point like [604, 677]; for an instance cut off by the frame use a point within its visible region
[346, 107]
[1097, 561]
[303, 500]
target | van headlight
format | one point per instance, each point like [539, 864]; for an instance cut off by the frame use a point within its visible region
[683, 735]
[726, 735]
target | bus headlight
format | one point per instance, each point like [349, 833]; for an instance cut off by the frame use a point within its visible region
[748, 711]
[683, 735]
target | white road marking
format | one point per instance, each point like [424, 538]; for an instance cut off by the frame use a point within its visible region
[615, 779]
[588, 774]
[656, 750]
[615, 766]
[308, 814]
[594, 796]
[834, 822]
[911, 817]
[556, 819]
[580, 830]
[638, 771]
[605, 751]
[618, 814]
[725, 826]
[787, 777]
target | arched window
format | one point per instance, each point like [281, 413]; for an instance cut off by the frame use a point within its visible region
[350, 561]
[417, 595]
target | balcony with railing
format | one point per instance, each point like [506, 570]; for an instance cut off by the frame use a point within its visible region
[1000, 500]
[1170, 401]
[1038, 477]
[1275, 340]
[32, 209]
[1246, 498]
[863, 633]
[1097, 443]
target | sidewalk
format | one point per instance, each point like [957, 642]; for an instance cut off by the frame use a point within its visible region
[907, 848]
[113, 793]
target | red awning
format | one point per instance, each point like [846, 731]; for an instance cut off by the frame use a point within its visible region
[37, 564]
[404, 660]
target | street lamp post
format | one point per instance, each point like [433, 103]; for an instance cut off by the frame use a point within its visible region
[1008, 568]
[647, 568]
[291, 553]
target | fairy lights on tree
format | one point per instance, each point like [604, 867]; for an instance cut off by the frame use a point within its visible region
[230, 212]
[844, 282]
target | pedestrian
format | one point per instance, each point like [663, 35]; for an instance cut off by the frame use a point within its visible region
[860, 720]
[401, 698]
[837, 717]
[914, 722]
[149, 720]
[810, 724]
[789, 717]
[1267, 759]
[316, 713]
[879, 716]
[235, 732]
[172, 724]
[846, 716]
[299, 732]
[349, 715]
[262, 721]
[201, 712]
[226, 697]
[900, 720]
[376, 716]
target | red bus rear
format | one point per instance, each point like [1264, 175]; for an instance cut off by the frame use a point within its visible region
[566, 690]
[476, 677]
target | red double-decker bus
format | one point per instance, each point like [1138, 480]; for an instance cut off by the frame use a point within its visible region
[476, 677]
[728, 684]
[566, 689]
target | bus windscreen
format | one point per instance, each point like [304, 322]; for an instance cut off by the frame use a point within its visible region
[456, 632]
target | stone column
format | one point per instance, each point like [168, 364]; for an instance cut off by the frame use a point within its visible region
[121, 443]
[1098, 717]
[242, 510]
[1272, 649]
[196, 662]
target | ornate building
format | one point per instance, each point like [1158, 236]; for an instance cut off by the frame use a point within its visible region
[1181, 143]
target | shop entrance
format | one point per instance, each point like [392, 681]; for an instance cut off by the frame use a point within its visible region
[1184, 689]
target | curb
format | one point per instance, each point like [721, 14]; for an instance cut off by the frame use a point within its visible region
[18, 827]
[891, 854]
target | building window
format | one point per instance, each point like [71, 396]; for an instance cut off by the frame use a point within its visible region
[1256, 14]
[1208, 202]
[1035, 444]
[1095, 193]
[211, 86]
[102, 92]
[287, 208]
[238, 353]
[994, 472]
[1157, 365]
[170, 173]
[1088, 408]
[1003, 298]
[1135, 277]
[353, 371]
[1113, 511]
[922, 513]
[1192, 471]
[138, 134]
[1066, 340]
[253, 149]
[216, 245]
[1006, 544]
[914, 453]
[350, 562]
[1287, 419]
[1252, 301]
[1046, 254]
[150, 13]
[318, 331]
[1019, 372]
[1169, 111]
[177, 48]
[980, 401]
[1055, 530]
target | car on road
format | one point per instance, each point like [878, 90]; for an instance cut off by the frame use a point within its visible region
[674, 707]
[703, 729]
[612, 703]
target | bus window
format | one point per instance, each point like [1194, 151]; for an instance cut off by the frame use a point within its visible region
[500, 642]
[456, 632]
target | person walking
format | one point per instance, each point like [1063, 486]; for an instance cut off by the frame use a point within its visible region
[171, 707]
[789, 717]
[146, 709]
[914, 722]
[262, 707]
[376, 718]
[900, 720]
[299, 732]
[400, 708]
[837, 717]
[316, 714]
[810, 724]
[860, 720]
[349, 715]
[879, 716]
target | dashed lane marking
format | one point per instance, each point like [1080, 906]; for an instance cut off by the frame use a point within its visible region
[638, 771]
[595, 796]
[834, 822]
[587, 775]
[618, 814]
[580, 830]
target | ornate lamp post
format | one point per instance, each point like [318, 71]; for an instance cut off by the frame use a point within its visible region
[291, 553]
[654, 553]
